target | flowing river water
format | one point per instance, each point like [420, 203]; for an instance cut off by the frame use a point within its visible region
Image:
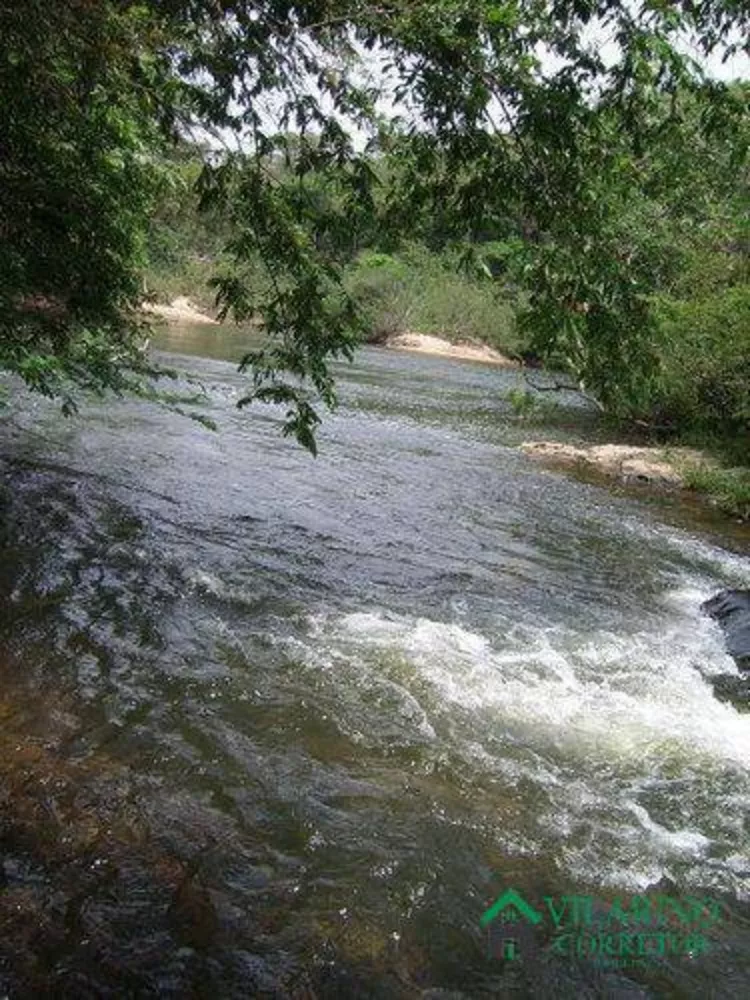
[283, 727]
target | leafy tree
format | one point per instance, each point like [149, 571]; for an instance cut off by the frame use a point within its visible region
[493, 126]
[77, 176]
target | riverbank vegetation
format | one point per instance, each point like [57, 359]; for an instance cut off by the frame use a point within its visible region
[521, 190]
[693, 385]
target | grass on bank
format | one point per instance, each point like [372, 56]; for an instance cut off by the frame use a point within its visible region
[727, 488]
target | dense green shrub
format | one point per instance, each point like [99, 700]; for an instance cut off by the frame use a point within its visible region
[704, 383]
[422, 292]
[380, 284]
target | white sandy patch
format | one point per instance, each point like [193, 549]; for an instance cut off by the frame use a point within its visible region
[181, 310]
[427, 344]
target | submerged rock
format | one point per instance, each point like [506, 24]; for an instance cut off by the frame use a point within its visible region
[731, 609]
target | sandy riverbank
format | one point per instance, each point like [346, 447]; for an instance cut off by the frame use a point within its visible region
[183, 310]
[426, 344]
[180, 310]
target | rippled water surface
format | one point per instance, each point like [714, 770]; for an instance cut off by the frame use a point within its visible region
[276, 726]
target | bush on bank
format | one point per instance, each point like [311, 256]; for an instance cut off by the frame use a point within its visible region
[424, 292]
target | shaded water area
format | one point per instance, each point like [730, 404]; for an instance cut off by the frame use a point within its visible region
[275, 726]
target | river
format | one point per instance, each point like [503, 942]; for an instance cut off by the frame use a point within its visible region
[279, 726]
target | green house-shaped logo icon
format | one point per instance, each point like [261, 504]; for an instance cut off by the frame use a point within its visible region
[512, 907]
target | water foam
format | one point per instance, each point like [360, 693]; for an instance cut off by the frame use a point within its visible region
[621, 734]
[622, 695]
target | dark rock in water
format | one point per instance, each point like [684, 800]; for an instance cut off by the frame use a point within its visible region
[734, 688]
[731, 609]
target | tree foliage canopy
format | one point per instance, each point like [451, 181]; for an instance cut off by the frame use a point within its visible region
[514, 113]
